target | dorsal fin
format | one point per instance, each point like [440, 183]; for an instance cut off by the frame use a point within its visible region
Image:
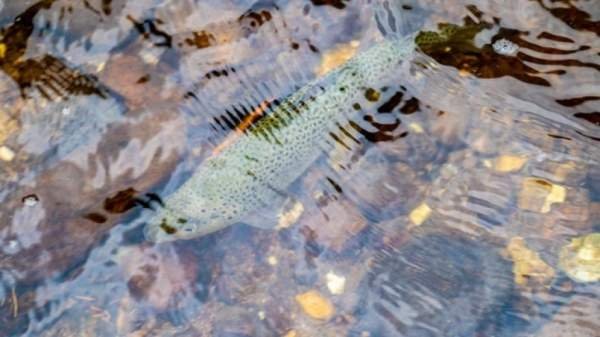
[233, 97]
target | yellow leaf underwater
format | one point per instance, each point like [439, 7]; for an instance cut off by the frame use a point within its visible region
[538, 195]
[528, 267]
[315, 305]
[509, 163]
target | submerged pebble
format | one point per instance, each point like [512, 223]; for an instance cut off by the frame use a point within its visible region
[315, 305]
[6, 154]
[335, 283]
[505, 47]
[420, 214]
[580, 259]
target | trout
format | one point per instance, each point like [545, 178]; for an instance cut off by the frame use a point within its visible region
[245, 181]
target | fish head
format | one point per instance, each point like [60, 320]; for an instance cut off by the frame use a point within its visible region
[167, 226]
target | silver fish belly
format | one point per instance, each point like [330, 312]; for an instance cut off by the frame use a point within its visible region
[250, 174]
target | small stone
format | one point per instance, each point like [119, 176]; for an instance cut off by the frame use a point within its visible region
[261, 315]
[580, 259]
[505, 47]
[290, 216]
[416, 128]
[272, 260]
[30, 200]
[6, 154]
[509, 163]
[335, 283]
[100, 67]
[315, 305]
[149, 58]
[291, 333]
[527, 265]
[420, 214]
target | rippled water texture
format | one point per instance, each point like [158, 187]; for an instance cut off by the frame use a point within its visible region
[457, 194]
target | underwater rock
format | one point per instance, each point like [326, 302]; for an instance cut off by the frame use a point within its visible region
[505, 47]
[53, 238]
[435, 285]
[155, 276]
[580, 259]
[141, 84]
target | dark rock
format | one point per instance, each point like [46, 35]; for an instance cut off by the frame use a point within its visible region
[434, 286]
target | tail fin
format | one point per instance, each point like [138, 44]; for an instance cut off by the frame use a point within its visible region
[397, 18]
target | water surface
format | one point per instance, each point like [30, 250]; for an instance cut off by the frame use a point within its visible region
[440, 205]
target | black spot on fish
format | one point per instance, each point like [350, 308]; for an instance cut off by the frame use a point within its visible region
[592, 117]
[411, 106]
[339, 4]
[391, 103]
[167, 228]
[372, 95]
[571, 102]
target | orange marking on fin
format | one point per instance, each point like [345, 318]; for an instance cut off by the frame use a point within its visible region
[241, 128]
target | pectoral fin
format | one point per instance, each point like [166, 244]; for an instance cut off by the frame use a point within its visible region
[269, 215]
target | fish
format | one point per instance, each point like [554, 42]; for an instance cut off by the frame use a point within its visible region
[246, 181]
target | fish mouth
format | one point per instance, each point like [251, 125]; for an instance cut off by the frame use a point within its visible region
[158, 229]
